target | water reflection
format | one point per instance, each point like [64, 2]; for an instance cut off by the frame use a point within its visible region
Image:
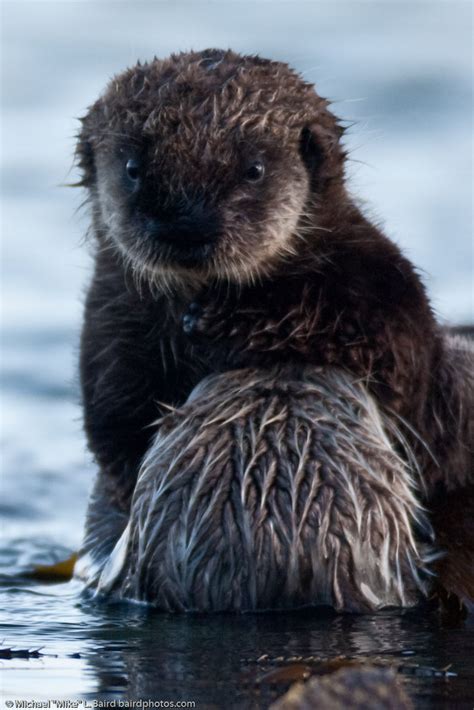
[211, 658]
[127, 651]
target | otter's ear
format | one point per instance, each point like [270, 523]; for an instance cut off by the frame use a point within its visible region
[311, 150]
[321, 153]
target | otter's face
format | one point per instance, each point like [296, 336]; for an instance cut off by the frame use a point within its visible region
[200, 177]
[223, 211]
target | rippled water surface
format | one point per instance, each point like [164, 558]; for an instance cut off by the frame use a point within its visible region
[402, 72]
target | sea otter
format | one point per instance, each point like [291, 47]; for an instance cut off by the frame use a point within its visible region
[268, 489]
[225, 238]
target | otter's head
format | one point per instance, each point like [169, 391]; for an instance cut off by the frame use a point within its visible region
[208, 164]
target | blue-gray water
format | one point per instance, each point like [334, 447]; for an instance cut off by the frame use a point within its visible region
[402, 72]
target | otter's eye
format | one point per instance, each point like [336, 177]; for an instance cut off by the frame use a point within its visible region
[133, 169]
[255, 172]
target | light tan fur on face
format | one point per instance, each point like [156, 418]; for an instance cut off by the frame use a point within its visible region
[278, 240]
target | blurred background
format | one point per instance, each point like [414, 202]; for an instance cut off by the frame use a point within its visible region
[400, 71]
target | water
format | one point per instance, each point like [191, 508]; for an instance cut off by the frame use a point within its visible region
[402, 72]
[125, 652]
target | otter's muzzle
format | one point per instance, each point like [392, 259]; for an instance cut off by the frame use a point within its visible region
[192, 229]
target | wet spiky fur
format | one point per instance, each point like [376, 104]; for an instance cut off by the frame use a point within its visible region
[194, 120]
[267, 490]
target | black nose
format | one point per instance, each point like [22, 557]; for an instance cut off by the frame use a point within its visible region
[195, 227]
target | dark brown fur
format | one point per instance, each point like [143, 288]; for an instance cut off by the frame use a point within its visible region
[284, 270]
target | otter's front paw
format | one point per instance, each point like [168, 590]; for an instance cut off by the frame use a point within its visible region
[204, 322]
[191, 319]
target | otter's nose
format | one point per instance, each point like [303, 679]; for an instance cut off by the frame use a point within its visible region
[192, 228]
